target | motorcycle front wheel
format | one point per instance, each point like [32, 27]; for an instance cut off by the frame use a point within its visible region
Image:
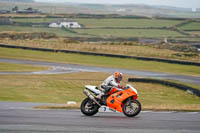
[88, 107]
[131, 108]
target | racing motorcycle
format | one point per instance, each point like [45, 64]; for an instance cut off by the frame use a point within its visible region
[121, 100]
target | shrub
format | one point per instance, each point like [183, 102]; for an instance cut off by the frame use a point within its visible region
[22, 36]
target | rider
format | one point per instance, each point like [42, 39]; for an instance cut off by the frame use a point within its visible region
[110, 82]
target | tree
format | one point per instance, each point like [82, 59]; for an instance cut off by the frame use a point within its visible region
[29, 9]
[15, 8]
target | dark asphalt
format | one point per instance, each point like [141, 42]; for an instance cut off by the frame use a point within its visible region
[58, 68]
[24, 120]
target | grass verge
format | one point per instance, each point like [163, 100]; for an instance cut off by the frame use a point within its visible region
[182, 108]
[186, 84]
[127, 48]
[69, 87]
[10, 67]
[77, 106]
[100, 61]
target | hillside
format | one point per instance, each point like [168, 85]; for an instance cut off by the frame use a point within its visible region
[16, 0]
[78, 8]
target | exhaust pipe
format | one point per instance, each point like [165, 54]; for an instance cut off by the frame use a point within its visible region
[87, 93]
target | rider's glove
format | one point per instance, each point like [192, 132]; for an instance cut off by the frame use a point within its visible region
[120, 87]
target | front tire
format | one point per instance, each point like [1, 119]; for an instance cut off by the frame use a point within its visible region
[131, 108]
[88, 107]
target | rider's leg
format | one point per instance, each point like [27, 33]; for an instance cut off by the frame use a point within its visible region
[106, 90]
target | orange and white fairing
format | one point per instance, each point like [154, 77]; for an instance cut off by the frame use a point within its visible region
[115, 100]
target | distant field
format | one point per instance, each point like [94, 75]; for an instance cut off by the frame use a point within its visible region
[95, 32]
[137, 23]
[99, 23]
[194, 32]
[184, 14]
[190, 39]
[35, 20]
[191, 26]
[129, 32]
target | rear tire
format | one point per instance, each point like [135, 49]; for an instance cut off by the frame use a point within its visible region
[88, 107]
[131, 108]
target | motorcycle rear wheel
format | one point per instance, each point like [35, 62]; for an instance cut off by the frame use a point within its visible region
[131, 108]
[88, 107]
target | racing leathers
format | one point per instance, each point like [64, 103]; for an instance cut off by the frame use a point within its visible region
[108, 85]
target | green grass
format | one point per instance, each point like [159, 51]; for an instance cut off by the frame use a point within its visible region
[69, 87]
[100, 61]
[10, 67]
[184, 14]
[95, 32]
[35, 20]
[44, 88]
[162, 97]
[123, 48]
[191, 26]
[137, 23]
[99, 23]
[129, 32]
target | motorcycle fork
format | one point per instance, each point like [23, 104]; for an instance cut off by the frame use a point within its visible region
[129, 100]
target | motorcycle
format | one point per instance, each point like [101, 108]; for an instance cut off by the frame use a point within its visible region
[121, 100]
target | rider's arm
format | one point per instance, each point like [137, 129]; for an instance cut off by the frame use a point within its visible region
[115, 84]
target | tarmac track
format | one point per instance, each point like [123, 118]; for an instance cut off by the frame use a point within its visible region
[21, 118]
[60, 68]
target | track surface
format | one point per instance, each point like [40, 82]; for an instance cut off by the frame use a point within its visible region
[20, 118]
[58, 68]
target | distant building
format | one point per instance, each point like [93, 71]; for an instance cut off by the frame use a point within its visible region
[165, 40]
[5, 21]
[28, 11]
[198, 9]
[4, 11]
[65, 23]
[121, 10]
[194, 9]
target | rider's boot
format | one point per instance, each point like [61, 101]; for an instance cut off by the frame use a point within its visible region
[100, 95]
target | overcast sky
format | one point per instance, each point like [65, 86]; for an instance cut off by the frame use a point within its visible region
[177, 3]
